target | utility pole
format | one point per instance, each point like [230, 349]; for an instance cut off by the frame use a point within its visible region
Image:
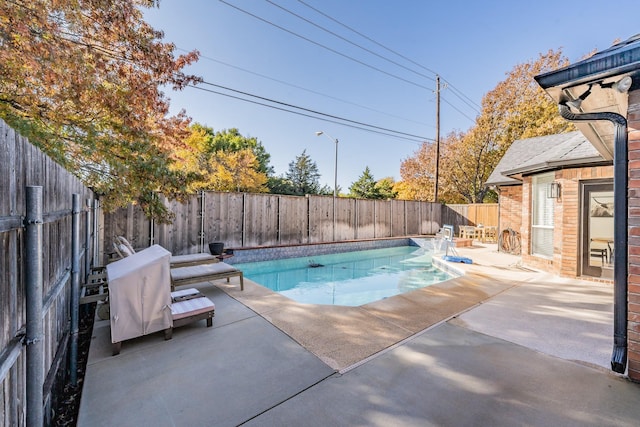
[435, 191]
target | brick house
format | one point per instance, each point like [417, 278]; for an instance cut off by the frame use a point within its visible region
[541, 183]
[601, 95]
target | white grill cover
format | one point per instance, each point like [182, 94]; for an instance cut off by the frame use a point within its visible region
[140, 294]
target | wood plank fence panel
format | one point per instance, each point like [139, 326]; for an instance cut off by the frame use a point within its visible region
[320, 219]
[412, 217]
[224, 215]
[383, 218]
[455, 215]
[431, 217]
[345, 218]
[485, 214]
[261, 220]
[293, 220]
[365, 219]
[129, 222]
[397, 218]
[182, 236]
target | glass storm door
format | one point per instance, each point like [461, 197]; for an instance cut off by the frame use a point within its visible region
[597, 229]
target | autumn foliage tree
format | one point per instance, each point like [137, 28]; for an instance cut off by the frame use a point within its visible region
[225, 161]
[516, 108]
[82, 79]
[417, 174]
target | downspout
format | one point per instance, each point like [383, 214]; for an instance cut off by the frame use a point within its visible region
[620, 224]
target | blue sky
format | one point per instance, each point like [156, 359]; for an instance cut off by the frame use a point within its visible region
[471, 45]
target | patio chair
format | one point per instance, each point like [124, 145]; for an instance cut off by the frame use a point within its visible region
[490, 234]
[204, 273]
[123, 249]
[467, 232]
[141, 301]
[187, 306]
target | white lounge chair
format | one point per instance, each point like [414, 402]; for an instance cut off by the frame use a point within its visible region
[204, 273]
[123, 248]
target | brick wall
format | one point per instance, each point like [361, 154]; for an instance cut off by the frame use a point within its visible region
[633, 323]
[566, 235]
[511, 208]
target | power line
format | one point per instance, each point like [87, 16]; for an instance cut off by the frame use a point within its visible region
[349, 41]
[456, 108]
[315, 112]
[366, 37]
[464, 98]
[325, 47]
[397, 136]
[307, 90]
[459, 94]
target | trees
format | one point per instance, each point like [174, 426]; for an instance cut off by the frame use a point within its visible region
[517, 108]
[417, 173]
[366, 187]
[303, 176]
[231, 140]
[386, 188]
[81, 80]
[225, 161]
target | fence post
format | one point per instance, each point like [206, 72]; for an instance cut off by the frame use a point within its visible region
[278, 224]
[34, 284]
[244, 217]
[75, 286]
[87, 240]
[202, 214]
[97, 224]
[391, 218]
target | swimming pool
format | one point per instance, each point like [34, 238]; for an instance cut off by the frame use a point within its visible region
[349, 279]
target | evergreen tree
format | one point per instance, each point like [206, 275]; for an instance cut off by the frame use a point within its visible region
[303, 175]
[365, 187]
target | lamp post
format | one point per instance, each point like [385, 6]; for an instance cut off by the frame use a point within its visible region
[335, 169]
[335, 180]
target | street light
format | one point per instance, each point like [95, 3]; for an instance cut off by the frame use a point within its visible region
[335, 169]
[335, 180]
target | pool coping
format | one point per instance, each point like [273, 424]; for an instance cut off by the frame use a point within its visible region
[270, 253]
[343, 336]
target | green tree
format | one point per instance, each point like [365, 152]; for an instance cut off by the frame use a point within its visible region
[279, 185]
[225, 161]
[386, 189]
[81, 79]
[232, 140]
[303, 175]
[365, 187]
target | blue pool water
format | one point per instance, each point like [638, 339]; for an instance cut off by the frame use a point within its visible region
[351, 278]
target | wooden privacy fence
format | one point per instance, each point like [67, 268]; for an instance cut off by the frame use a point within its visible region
[36, 301]
[472, 214]
[250, 220]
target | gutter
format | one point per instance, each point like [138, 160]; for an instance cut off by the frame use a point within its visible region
[619, 59]
[557, 164]
[620, 224]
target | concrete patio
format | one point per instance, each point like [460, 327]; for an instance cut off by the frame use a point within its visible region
[502, 345]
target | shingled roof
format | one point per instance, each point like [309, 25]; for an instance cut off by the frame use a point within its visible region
[543, 153]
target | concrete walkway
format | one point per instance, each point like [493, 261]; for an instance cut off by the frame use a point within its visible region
[522, 348]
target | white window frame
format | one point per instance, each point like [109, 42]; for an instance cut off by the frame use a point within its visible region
[542, 213]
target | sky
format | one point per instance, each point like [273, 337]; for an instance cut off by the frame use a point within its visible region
[367, 66]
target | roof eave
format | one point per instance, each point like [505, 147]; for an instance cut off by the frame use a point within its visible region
[556, 164]
[611, 62]
[502, 183]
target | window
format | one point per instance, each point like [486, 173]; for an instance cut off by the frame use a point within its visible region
[542, 216]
